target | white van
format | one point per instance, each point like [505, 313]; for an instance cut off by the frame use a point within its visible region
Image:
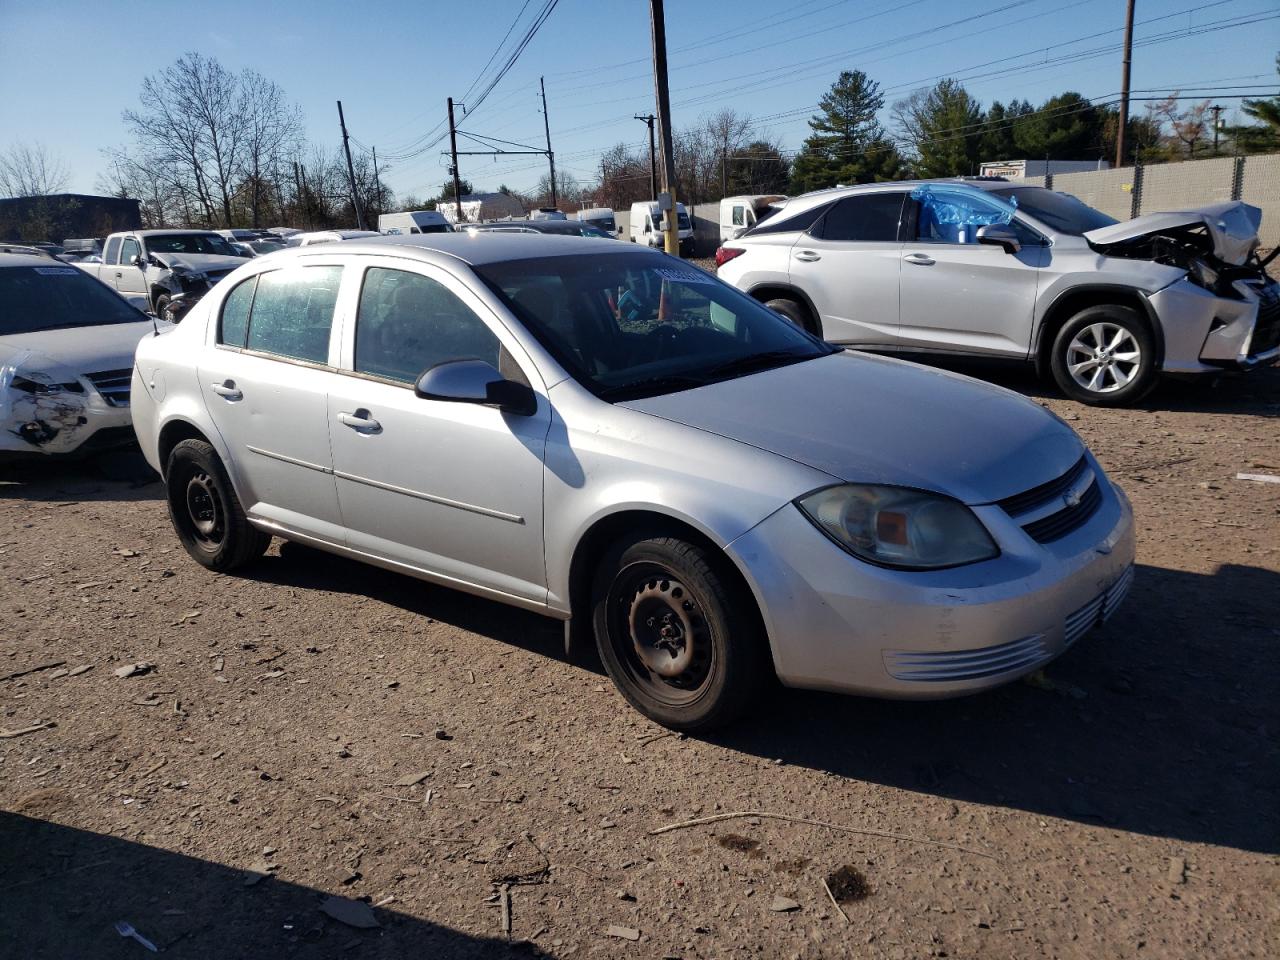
[740, 214]
[414, 221]
[600, 217]
[644, 226]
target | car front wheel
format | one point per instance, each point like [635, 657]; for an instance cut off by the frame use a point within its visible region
[206, 512]
[1105, 356]
[675, 634]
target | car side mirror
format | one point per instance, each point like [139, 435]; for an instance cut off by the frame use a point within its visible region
[137, 261]
[999, 235]
[475, 381]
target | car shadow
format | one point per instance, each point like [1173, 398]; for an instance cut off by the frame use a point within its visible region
[1253, 394]
[112, 475]
[66, 889]
[1163, 722]
[305, 568]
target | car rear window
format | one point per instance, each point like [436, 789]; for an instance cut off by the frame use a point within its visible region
[287, 312]
[783, 222]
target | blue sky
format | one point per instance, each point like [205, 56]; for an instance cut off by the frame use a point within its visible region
[71, 67]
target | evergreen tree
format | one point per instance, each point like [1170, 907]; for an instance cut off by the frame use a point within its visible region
[848, 144]
[1066, 127]
[944, 128]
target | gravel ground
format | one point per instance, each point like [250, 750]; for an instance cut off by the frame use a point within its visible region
[319, 729]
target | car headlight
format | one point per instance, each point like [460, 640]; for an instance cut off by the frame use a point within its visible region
[899, 527]
[41, 384]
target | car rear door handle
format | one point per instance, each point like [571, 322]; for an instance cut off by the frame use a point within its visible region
[360, 421]
[919, 259]
[228, 390]
[808, 256]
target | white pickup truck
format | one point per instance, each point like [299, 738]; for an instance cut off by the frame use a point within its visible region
[159, 264]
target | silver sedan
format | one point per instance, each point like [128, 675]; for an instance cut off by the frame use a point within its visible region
[703, 491]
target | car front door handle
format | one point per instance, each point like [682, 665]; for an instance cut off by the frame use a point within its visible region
[360, 421]
[228, 390]
[919, 259]
[808, 256]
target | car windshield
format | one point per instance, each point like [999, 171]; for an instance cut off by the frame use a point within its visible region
[682, 220]
[190, 243]
[1058, 211]
[627, 325]
[54, 297]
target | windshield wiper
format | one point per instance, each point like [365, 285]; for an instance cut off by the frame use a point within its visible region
[756, 361]
[651, 386]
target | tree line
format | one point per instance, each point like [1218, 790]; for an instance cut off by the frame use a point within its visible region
[213, 148]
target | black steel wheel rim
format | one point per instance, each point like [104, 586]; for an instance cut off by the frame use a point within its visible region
[205, 516]
[660, 634]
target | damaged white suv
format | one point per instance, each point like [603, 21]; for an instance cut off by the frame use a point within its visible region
[66, 357]
[993, 268]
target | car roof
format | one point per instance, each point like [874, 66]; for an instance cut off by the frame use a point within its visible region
[26, 260]
[474, 249]
[152, 233]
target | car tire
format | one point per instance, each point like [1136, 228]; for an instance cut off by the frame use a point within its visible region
[205, 511]
[161, 304]
[1105, 356]
[676, 635]
[793, 311]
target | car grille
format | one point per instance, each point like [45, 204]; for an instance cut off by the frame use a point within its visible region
[1097, 610]
[113, 385]
[966, 664]
[1266, 332]
[1076, 494]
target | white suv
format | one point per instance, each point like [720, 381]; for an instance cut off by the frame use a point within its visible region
[993, 268]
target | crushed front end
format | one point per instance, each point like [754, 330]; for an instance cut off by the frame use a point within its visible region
[48, 411]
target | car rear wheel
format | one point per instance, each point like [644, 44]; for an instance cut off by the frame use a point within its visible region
[1105, 356]
[675, 634]
[206, 512]
[794, 312]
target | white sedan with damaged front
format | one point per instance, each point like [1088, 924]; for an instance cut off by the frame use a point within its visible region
[66, 353]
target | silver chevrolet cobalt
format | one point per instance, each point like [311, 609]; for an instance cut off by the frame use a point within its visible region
[611, 437]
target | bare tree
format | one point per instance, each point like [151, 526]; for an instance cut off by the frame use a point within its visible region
[30, 170]
[272, 131]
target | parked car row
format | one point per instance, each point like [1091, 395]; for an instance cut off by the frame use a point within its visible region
[993, 268]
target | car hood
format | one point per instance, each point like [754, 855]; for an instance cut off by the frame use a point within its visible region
[1233, 227]
[76, 350]
[868, 419]
[200, 262]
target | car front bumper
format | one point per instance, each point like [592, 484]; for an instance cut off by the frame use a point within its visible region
[836, 623]
[61, 424]
[1205, 333]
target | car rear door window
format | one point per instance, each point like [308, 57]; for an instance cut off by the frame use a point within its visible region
[112, 256]
[407, 323]
[233, 326]
[292, 312]
[865, 218]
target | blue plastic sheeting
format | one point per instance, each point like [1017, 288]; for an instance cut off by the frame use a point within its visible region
[953, 214]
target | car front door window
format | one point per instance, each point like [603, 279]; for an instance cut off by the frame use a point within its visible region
[407, 323]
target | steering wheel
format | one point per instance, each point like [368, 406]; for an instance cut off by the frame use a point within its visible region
[665, 335]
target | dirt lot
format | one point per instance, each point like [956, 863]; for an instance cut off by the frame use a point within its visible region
[318, 728]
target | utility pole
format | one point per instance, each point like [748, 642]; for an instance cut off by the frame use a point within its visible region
[658, 29]
[653, 161]
[351, 171]
[453, 151]
[1217, 114]
[300, 181]
[377, 181]
[724, 173]
[551, 157]
[1124, 83]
